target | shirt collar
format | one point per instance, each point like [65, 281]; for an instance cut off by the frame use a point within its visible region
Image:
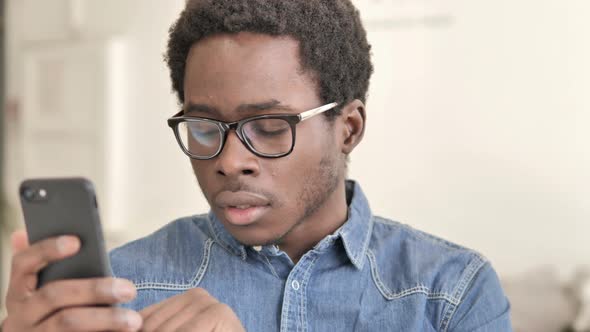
[355, 232]
[224, 238]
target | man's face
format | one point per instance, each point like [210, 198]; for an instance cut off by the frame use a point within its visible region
[259, 200]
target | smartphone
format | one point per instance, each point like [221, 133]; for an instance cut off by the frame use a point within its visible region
[65, 206]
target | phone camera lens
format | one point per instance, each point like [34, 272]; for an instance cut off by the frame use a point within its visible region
[29, 194]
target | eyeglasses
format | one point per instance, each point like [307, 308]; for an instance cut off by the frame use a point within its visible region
[268, 136]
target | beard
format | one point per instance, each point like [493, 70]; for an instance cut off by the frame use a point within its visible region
[317, 189]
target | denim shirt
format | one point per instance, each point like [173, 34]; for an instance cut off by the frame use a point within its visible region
[372, 274]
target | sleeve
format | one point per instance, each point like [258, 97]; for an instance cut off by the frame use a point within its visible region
[484, 306]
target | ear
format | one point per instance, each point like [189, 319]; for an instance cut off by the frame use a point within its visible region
[353, 120]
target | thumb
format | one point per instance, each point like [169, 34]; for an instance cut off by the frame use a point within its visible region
[19, 240]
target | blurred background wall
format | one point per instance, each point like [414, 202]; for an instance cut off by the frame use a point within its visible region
[478, 119]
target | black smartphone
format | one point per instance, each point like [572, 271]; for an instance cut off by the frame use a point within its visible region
[66, 206]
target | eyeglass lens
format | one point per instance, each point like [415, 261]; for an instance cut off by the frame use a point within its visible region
[264, 136]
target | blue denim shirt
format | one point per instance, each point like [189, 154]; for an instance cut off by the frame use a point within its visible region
[372, 274]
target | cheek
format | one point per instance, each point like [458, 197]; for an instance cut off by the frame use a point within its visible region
[203, 175]
[319, 144]
[292, 172]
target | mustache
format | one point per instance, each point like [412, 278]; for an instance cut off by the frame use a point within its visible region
[238, 185]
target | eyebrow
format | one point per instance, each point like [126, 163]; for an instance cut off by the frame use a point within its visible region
[272, 104]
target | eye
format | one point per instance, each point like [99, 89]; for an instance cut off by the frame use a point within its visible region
[269, 127]
[203, 131]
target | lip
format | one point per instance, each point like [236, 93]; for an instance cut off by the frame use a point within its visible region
[242, 208]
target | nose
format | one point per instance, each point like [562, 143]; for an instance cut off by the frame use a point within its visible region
[235, 159]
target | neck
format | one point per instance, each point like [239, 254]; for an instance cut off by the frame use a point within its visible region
[323, 222]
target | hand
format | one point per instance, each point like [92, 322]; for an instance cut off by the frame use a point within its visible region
[67, 305]
[194, 310]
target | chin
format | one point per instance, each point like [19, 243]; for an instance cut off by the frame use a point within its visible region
[254, 235]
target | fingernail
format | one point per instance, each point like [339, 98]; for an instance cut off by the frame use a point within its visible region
[123, 290]
[66, 244]
[133, 320]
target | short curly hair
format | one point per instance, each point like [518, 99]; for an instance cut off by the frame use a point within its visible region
[332, 40]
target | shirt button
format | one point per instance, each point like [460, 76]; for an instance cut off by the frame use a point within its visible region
[295, 285]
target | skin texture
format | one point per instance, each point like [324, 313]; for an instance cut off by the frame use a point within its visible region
[306, 189]
[305, 192]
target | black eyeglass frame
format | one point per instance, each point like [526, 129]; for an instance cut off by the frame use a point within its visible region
[224, 127]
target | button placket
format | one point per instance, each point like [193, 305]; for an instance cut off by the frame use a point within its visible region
[294, 315]
[292, 320]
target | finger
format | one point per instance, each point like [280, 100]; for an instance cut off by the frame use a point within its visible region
[180, 318]
[19, 241]
[190, 295]
[34, 258]
[62, 294]
[149, 311]
[213, 318]
[197, 298]
[92, 319]
[155, 315]
[28, 262]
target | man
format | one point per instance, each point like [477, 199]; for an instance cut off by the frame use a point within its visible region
[273, 95]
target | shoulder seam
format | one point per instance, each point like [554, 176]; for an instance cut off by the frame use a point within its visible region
[384, 221]
[423, 235]
[468, 276]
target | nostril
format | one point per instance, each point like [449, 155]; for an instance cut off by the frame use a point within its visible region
[247, 172]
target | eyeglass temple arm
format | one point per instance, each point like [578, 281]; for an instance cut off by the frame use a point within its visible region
[308, 114]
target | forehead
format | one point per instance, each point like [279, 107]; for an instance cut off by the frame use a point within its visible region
[231, 69]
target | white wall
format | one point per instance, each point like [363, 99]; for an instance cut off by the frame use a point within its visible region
[478, 129]
[160, 185]
[477, 117]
